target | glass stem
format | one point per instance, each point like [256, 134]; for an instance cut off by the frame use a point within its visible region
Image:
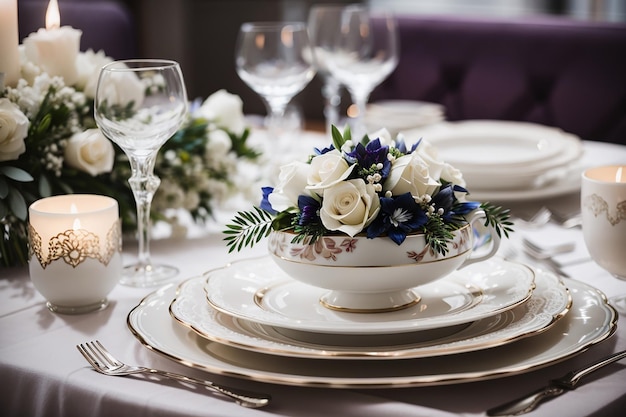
[144, 184]
[276, 108]
[360, 99]
[332, 101]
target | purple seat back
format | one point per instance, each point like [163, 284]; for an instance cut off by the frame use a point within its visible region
[557, 72]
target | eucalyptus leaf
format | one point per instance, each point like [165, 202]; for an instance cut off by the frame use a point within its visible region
[4, 188]
[45, 189]
[17, 204]
[16, 174]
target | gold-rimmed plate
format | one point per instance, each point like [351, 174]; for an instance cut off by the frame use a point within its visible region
[258, 290]
[590, 321]
[549, 303]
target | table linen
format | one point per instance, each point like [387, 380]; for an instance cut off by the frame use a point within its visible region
[42, 373]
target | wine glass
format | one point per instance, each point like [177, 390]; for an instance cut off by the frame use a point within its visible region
[275, 59]
[321, 17]
[603, 211]
[363, 53]
[139, 105]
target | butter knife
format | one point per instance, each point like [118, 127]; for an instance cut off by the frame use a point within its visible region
[556, 387]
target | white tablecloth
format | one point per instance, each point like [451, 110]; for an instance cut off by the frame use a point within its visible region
[42, 373]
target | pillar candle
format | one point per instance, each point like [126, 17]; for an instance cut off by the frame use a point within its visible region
[9, 55]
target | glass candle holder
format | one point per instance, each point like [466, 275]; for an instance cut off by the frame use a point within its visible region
[75, 251]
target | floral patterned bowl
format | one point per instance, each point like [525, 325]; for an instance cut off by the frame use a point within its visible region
[376, 275]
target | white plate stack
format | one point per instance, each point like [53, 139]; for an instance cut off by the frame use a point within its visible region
[500, 158]
[398, 115]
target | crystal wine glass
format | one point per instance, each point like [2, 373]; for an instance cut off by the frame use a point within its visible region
[275, 59]
[139, 105]
[321, 17]
[363, 53]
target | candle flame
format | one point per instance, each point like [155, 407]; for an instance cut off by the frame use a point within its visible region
[73, 208]
[76, 225]
[618, 175]
[53, 16]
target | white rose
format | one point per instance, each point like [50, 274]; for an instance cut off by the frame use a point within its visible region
[327, 170]
[125, 87]
[452, 174]
[90, 152]
[430, 156]
[219, 144]
[291, 184]
[410, 174]
[55, 51]
[225, 110]
[349, 206]
[13, 130]
[89, 64]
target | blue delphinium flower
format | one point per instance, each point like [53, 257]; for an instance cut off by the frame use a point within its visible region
[309, 210]
[401, 146]
[371, 156]
[265, 204]
[398, 217]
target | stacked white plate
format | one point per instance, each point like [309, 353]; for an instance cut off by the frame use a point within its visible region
[398, 115]
[500, 157]
[250, 320]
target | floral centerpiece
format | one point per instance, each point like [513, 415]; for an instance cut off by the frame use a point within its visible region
[49, 144]
[376, 187]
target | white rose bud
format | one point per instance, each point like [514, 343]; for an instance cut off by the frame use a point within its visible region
[410, 173]
[225, 110]
[291, 184]
[90, 152]
[349, 206]
[327, 170]
[13, 130]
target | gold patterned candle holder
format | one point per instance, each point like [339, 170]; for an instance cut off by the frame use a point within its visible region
[75, 251]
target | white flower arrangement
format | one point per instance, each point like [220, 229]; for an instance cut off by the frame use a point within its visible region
[377, 187]
[49, 144]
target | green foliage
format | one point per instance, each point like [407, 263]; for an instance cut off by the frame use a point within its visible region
[248, 228]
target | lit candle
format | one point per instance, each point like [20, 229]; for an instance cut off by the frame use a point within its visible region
[55, 49]
[75, 251]
[9, 55]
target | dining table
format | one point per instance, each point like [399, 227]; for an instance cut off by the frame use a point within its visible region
[43, 374]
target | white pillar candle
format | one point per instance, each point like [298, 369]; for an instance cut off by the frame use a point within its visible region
[75, 250]
[55, 49]
[9, 55]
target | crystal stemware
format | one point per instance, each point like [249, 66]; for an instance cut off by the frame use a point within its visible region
[321, 17]
[139, 105]
[275, 60]
[363, 53]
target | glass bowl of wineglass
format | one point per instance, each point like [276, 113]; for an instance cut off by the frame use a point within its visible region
[139, 105]
[363, 53]
[275, 60]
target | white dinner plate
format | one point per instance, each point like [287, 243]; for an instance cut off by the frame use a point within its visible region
[489, 144]
[590, 321]
[258, 290]
[550, 302]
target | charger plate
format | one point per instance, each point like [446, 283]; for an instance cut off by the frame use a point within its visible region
[258, 290]
[590, 321]
[550, 302]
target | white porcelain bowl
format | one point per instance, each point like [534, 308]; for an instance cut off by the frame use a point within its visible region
[374, 275]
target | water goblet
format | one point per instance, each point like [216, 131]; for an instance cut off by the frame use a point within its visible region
[139, 105]
[363, 53]
[275, 60]
[603, 210]
[321, 17]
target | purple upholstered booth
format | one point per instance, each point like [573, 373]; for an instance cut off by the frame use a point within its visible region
[565, 73]
[106, 25]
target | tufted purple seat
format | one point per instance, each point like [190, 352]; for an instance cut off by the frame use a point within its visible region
[565, 73]
[107, 25]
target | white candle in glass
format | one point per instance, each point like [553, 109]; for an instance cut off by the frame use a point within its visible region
[9, 55]
[75, 251]
[55, 49]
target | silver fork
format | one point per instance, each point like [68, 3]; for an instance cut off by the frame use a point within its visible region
[103, 362]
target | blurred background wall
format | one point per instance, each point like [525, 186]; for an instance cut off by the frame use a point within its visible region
[201, 34]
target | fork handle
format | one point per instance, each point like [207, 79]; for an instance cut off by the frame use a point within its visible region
[244, 398]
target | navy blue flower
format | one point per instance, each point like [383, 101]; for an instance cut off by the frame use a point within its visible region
[265, 204]
[401, 146]
[309, 210]
[367, 156]
[398, 217]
